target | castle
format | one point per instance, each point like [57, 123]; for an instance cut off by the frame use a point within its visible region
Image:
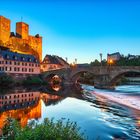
[21, 41]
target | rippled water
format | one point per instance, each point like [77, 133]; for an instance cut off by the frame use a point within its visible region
[98, 117]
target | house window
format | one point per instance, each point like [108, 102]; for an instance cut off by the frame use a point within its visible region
[5, 68]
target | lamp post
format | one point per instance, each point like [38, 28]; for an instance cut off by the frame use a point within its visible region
[101, 55]
[75, 60]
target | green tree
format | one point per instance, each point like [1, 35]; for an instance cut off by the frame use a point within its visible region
[6, 80]
[48, 130]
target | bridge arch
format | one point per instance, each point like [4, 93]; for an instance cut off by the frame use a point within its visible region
[116, 78]
[76, 75]
[53, 77]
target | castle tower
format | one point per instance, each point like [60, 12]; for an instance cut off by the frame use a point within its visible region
[22, 30]
[4, 30]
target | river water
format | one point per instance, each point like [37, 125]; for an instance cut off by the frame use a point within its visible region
[98, 117]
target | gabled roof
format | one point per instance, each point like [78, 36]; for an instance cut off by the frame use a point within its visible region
[49, 59]
[117, 53]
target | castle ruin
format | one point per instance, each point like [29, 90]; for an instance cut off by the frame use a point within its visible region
[21, 41]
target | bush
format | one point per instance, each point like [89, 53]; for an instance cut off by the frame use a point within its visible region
[6, 80]
[33, 80]
[48, 130]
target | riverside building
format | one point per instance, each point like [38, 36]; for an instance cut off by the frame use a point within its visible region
[18, 65]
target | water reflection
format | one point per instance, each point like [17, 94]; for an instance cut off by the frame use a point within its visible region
[23, 105]
[106, 119]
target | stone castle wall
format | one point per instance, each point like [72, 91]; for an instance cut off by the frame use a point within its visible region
[20, 41]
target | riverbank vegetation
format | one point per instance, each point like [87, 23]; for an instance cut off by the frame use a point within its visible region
[129, 60]
[9, 81]
[6, 80]
[48, 130]
[32, 80]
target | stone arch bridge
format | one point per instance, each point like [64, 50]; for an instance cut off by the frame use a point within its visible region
[104, 76]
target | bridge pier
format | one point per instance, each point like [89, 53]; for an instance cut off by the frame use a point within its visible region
[104, 87]
[103, 82]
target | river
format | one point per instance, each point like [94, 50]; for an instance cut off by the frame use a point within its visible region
[98, 117]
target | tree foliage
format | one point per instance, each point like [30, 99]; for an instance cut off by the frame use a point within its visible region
[48, 130]
[6, 80]
[33, 80]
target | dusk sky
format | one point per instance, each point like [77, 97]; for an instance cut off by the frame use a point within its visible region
[80, 28]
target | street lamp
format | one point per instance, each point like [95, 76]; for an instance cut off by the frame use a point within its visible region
[101, 55]
[75, 60]
[110, 62]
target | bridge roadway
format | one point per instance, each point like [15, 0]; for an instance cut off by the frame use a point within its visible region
[105, 77]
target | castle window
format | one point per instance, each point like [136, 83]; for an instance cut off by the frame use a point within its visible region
[15, 63]
[10, 62]
[6, 62]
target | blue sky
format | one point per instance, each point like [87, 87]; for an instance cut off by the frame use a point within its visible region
[80, 28]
